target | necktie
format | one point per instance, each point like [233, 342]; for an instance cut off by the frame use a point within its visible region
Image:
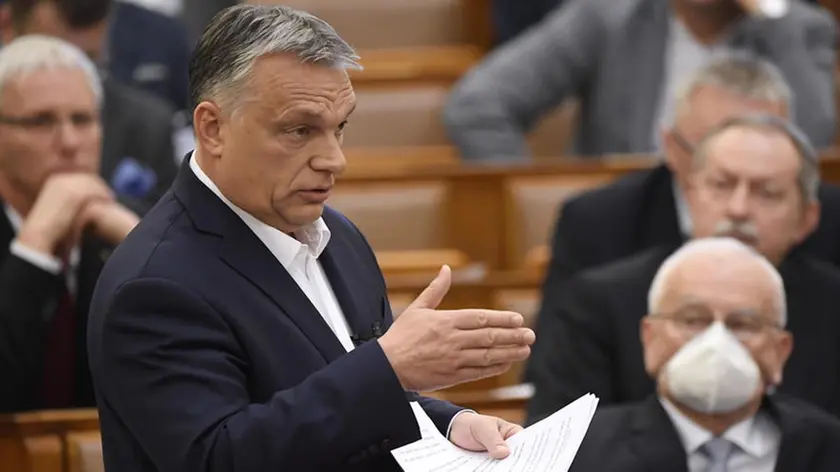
[59, 375]
[718, 451]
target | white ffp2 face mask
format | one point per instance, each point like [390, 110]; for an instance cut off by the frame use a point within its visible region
[713, 373]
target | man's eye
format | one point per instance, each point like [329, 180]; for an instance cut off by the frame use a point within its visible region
[299, 132]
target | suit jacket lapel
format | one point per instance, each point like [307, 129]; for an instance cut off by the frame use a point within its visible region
[797, 444]
[655, 441]
[348, 289]
[660, 225]
[243, 251]
[246, 254]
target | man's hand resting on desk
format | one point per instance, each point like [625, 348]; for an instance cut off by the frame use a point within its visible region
[480, 433]
[430, 349]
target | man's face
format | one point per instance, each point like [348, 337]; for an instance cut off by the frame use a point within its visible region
[278, 154]
[748, 188]
[49, 123]
[45, 19]
[714, 287]
[707, 108]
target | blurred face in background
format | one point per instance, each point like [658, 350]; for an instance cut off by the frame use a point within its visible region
[706, 108]
[49, 123]
[748, 187]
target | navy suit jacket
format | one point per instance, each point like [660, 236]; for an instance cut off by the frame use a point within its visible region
[207, 356]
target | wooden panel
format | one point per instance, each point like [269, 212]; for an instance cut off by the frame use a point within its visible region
[35, 441]
[84, 452]
[410, 66]
[532, 205]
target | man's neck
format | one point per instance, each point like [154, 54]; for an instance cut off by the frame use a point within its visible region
[707, 23]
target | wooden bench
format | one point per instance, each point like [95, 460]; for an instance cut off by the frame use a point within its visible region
[487, 210]
[37, 441]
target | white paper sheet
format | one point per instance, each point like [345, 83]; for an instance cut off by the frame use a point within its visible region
[547, 446]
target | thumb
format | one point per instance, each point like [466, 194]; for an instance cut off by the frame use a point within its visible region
[491, 438]
[437, 289]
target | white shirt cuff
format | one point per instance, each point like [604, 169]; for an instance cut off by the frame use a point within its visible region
[45, 262]
[452, 421]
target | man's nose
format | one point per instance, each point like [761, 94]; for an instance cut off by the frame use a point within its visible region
[738, 203]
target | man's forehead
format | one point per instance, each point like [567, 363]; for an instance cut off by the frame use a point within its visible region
[44, 88]
[740, 144]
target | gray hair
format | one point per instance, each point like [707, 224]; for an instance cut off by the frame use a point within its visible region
[809, 172]
[729, 248]
[239, 35]
[31, 53]
[739, 73]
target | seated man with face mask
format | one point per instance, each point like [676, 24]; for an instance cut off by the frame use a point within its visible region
[715, 341]
[754, 178]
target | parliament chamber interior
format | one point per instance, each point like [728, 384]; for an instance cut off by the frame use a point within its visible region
[417, 203]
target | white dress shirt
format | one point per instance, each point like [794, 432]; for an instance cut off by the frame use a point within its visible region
[46, 262]
[757, 439]
[683, 211]
[299, 257]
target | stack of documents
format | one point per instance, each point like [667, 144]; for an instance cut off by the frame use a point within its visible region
[547, 446]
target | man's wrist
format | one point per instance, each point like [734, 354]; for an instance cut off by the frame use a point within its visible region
[452, 421]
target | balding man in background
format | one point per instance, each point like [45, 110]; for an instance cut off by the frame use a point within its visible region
[59, 224]
[754, 178]
[714, 340]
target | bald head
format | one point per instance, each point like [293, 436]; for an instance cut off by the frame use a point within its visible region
[718, 268]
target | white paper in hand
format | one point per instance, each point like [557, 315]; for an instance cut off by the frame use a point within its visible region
[547, 446]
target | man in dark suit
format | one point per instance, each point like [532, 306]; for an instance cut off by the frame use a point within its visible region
[242, 326]
[59, 222]
[138, 156]
[753, 178]
[647, 209]
[714, 341]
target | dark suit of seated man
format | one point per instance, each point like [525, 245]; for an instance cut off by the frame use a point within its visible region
[750, 180]
[138, 151]
[647, 208]
[714, 342]
[236, 327]
[58, 224]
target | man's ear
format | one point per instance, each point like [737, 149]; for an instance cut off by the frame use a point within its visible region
[209, 128]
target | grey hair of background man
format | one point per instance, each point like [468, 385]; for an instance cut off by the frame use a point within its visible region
[31, 53]
[742, 74]
[732, 252]
[238, 36]
[809, 171]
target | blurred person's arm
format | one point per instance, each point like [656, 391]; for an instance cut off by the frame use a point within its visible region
[803, 44]
[492, 108]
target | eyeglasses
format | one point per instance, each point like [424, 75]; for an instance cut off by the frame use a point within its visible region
[682, 142]
[47, 124]
[695, 319]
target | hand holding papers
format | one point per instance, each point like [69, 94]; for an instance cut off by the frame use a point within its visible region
[547, 446]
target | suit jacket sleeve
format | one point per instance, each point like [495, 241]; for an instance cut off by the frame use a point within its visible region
[493, 106]
[573, 353]
[195, 414]
[803, 44]
[25, 293]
